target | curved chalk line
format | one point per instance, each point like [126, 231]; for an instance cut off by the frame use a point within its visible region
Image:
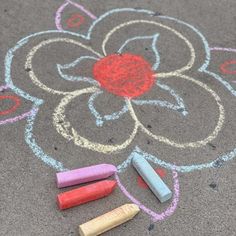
[100, 119]
[195, 144]
[64, 127]
[34, 50]
[161, 74]
[203, 68]
[155, 216]
[154, 41]
[62, 8]
[15, 118]
[83, 9]
[180, 107]
[73, 64]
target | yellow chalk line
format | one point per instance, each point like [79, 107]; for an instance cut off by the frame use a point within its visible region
[164, 74]
[195, 144]
[64, 128]
[33, 51]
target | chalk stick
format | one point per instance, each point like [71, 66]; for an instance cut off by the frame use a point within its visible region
[85, 194]
[155, 183]
[109, 220]
[84, 175]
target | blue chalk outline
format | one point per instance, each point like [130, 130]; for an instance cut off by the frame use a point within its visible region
[37, 102]
[181, 168]
[154, 41]
[38, 151]
[180, 107]
[73, 64]
[203, 68]
[100, 119]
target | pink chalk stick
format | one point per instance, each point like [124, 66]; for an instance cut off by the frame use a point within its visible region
[84, 175]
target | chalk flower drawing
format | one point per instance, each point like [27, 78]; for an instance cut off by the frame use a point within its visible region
[127, 75]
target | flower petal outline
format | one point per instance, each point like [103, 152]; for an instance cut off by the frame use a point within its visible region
[180, 107]
[100, 119]
[60, 69]
[154, 49]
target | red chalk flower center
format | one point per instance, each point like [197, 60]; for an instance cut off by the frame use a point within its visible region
[125, 75]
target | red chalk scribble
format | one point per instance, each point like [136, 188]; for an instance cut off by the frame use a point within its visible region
[125, 75]
[161, 172]
[142, 184]
[75, 21]
[16, 104]
[224, 68]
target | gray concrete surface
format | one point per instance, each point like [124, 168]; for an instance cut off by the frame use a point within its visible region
[207, 198]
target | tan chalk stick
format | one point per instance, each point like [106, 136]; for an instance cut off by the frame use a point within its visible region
[109, 220]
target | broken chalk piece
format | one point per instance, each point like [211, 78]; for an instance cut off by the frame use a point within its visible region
[84, 175]
[155, 183]
[85, 194]
[109, 220]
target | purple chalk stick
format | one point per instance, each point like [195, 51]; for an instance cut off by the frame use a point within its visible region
[84, 175]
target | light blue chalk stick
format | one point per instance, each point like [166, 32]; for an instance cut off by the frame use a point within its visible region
[155, 183]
